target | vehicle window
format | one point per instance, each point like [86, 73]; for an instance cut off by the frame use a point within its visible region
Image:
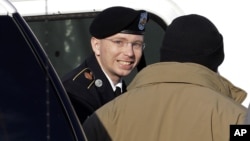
[30, 109]
[66, 39]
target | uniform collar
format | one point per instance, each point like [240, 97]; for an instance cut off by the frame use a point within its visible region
[119, 84]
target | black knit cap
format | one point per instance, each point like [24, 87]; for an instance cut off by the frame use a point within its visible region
[118, 19]
[193, 38]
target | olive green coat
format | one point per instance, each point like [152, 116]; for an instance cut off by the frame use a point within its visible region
[171, 102]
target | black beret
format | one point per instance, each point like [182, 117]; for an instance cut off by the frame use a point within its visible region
[118, 19]
[193, 38]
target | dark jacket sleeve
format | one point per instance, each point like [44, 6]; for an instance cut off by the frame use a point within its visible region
[95, 130]
[82, 109]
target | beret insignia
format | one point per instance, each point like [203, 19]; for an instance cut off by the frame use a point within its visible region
[143, 20]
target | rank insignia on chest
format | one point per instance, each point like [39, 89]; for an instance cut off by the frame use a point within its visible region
[88, 75]
[83, 75]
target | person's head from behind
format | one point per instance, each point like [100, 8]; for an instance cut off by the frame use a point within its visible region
[195, 39]
[118, 39]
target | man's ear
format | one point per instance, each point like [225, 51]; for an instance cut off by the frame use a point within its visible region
[95, 43]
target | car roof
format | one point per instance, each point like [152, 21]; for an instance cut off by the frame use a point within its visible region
[6, 8]
[52, 7]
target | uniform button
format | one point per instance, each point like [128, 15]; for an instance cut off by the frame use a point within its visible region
[98, 83]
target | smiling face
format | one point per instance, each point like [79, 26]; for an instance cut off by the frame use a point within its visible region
[119, 54]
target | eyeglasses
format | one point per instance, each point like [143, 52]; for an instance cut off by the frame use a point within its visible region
[122, 43]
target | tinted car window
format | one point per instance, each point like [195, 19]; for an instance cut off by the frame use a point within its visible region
[30, 107]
